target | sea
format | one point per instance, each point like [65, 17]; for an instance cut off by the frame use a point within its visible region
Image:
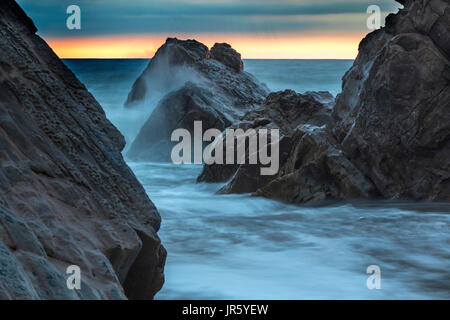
[243, 247]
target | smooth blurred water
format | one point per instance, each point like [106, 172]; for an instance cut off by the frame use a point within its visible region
[240, 247]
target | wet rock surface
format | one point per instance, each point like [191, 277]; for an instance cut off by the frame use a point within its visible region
[201, 85]
[285, 111]
[66, 195]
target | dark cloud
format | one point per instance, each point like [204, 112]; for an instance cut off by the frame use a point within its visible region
[145, 16]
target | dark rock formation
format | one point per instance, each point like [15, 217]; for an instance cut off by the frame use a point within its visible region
[178, 109]
[224, 53]
[315, 170]
[312, 167]
[66, 195]
[211, 90]
[161, 71]
[285, 111]
[393, 116]
[390, 132]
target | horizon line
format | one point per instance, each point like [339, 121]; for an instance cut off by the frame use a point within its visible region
[119, 58]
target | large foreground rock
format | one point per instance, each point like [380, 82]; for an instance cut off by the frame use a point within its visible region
[393, 116]
[66, 195]
[201, 85]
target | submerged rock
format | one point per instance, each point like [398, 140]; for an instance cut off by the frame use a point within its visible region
[66, 195]
[201, 85]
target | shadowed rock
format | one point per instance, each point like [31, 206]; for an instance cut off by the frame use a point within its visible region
[201, 85]
[389, 135]
[285, 111]
[224, 53]
[168, 64]
[393, 116]
[66, 195]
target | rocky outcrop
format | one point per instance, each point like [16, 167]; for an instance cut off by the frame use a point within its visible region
[389, 135]
[169, 68]
[66, 195]
[312, 167]
[285, 111]
[202, 85]
[393, 116]
[315, 170]
[224, 53]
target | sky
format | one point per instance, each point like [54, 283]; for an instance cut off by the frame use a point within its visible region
[258, 29]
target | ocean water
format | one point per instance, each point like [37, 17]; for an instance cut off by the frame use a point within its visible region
[241, 247]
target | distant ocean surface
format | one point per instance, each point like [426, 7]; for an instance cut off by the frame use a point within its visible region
[239, 247]
[110, 81]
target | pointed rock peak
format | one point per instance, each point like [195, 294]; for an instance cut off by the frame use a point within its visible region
[182, 51]
[224, 53]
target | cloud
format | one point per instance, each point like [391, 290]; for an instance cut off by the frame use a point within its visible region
[106, 17]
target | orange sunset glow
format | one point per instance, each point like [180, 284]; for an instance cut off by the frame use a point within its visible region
[252, 46]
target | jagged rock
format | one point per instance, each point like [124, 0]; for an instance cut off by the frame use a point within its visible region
[284, 110]
[167, 69]
[390, 132]
[66, 195]
[312, 169]
[393, 116]
[210, 91]
[224, 53]
[178, 109]
[315, 171]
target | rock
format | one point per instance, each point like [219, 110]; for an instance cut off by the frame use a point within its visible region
[316, 171]
[284, 110]
[66, 195]
[224, 53]
[211, 92]
[178, 109]
[393, 116]
[389, 135]
[168, 69]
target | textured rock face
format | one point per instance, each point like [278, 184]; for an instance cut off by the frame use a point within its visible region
[224, 53]
[178, 109]
[312, 167]
[393, 116]
[283, 110]
[66, 195]
[211, 91]
[389, 135]
[162, 71]
[316, 170]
